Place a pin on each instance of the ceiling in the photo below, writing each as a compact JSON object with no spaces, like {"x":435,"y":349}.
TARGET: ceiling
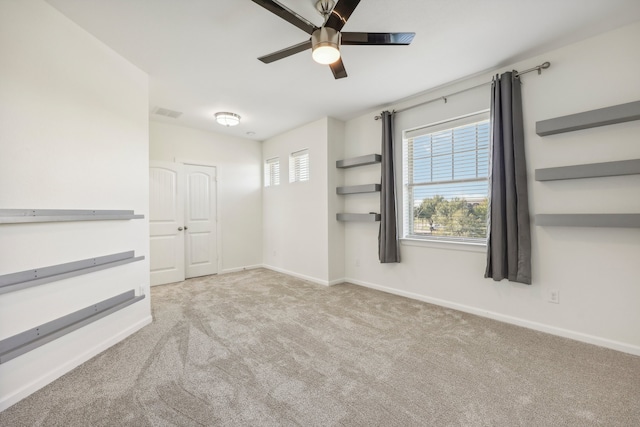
{"x":201,"y":54}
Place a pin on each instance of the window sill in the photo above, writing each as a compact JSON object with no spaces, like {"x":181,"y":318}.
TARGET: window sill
{"x":443,"y":244}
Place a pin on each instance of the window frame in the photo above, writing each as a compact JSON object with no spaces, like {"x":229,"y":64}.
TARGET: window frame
{"x":443,"y":242}
{"x":295,"y":158}
{"x":268,"y":172}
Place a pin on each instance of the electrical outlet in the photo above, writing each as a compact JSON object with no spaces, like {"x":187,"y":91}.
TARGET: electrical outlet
{"x":554,"y":296}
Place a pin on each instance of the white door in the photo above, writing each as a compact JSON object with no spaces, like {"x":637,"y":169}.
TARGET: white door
{"x":182,"y":220}
{"x":166,"y":222}
{"x":200,"y":221}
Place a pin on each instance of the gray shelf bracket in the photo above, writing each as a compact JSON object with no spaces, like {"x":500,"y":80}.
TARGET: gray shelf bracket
{"x":369,"y":159}
{"x":592,"y":170}
{"x":588,"y":220}
{"x":39,"y":276}
{"x":370,"y":217}
{"x":19,"y":216}
{"x":590,"y":119}
{"x":355,"y":189}
{"x":33,"y":338}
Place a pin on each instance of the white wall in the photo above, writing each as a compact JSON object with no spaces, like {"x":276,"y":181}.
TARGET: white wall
{"x":295,"y":214}
{"x":238,"y":163}
{"x":336,"y":202}
{"x":595,"y":270}
{"x":73,"y":135}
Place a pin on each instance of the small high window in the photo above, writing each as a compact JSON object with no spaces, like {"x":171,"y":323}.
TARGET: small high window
{"x":272,"y":172}
{"x":299,"y":166}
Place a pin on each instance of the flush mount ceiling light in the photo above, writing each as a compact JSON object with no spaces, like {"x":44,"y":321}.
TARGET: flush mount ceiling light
{"x":227,"y":119}
{"x":326,"y":45}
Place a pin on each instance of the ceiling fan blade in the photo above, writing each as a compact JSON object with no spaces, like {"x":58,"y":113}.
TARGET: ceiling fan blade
{"x":378,"y":39}
{"x":287,"y":14}
{"x":338,"y":69}
{"x":340,"y":14}
{"x":287,"y":51}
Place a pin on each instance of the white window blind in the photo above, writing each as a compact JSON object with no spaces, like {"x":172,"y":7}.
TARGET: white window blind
{"x":446,"y":171}
{"x":299,"y":166}
{"x":272,"y":172}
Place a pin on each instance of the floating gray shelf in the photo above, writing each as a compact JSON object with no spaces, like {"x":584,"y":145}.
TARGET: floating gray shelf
{"x":354,"y":189}
{"x":26,"y":341}
{"x":370,"y":217}
{"x":589,"y":119}
{"x":588,"y":220}
{"x":16,"y":216}
{"x":39,"y":276}
{"x":369,"y":159}
{"x":593,"y":170}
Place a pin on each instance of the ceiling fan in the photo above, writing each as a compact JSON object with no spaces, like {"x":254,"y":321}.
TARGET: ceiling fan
{"x":326,"y":40}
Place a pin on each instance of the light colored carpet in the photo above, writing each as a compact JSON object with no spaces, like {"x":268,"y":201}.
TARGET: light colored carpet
{"x":264,"y":349}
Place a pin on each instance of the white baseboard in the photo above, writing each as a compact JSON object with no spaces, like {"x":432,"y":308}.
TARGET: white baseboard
{"x":302,"y":276}
{"x":553,"y":330}
{"x":336,"y":282}
{"x":59,"y":371}
{"x":236,"y":269}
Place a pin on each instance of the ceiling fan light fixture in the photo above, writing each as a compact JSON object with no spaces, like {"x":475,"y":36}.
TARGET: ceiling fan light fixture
{"x":325,"y":44}
{"x":227,"y":119}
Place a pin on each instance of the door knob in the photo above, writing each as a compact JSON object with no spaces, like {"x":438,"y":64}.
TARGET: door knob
{"x":180,"y":229}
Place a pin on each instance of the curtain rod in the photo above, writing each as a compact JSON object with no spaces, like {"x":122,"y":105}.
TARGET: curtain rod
{"x":537,"y":68}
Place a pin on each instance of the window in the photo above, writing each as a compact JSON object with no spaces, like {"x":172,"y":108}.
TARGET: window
{"x":272,"y":172}
{"x":299,"y":166}
{"x":446,"y":172}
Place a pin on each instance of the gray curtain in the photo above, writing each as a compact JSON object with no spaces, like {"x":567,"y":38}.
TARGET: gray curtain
{"x":509,"y":235}
{"x":388,"y":250}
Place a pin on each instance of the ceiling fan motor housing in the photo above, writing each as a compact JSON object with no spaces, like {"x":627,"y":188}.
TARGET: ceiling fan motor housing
{"x":325,"y":37}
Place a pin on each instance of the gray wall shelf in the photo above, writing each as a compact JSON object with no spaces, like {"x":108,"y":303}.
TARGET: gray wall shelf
{"x":604,"y":116}
{"x":354,"y":189}
{"x":26,"y":341}
{"x":588,"y":220}
{"x":589,"y":119}
{"x":370,"y":217}
{"x":39,"y":276}
{"x":593,"y":170}
{"x":17,"y":216}
{"x":369,"y":159}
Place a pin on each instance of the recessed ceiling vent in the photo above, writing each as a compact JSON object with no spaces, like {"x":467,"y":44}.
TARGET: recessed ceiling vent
{"x":166,"y":112}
